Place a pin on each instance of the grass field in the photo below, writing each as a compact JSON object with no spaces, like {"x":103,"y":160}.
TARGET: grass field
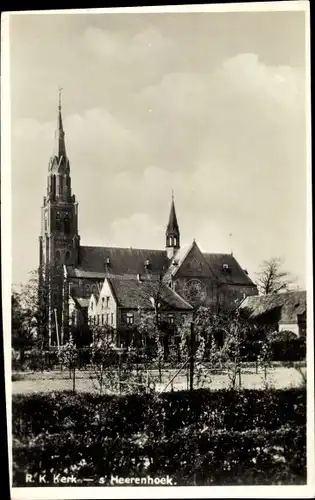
{"x":277,"y":377}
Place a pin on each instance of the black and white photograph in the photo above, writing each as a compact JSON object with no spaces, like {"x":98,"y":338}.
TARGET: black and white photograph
{"x":156,"y":249}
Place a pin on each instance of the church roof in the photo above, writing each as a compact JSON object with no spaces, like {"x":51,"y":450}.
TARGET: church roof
{"x":101,"y":262}
{"x":132,"y":293}
{"x":121,"y":260}
{"x":233,"y":274}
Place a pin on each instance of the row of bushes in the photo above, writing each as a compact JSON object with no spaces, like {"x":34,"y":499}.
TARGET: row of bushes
{"x":283,"y":347}
{"x":199,"y":437}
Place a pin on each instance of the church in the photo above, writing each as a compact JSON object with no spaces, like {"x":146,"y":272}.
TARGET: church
{"x":113,"y":286}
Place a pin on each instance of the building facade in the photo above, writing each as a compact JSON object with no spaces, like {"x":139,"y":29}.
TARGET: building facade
{"x":112,"y":285}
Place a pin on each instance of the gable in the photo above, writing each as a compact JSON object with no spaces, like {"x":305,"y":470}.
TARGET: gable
{"x":194,"y":264}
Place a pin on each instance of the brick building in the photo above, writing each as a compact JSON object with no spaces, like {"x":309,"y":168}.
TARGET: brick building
{"x":110,"y":285}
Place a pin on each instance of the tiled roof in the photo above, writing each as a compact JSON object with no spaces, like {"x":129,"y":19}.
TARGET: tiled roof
{"x":129,"y":262}
{"x":291,"y":304}
{"x":81,"y":301}
{"x":122,"y":260}
{"x":131,"y":293}
{"x":233,"y":275}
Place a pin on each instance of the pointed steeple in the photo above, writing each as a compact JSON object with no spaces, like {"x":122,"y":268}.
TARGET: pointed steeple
{"x":60,"y":145}
{"x":172,"y":226}
{"x":172,"y":231}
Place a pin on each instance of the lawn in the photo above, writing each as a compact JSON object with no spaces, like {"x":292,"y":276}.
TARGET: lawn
{"x":279,"y":377}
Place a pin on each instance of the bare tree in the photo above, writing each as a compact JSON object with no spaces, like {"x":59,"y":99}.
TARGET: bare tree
{"x":272,"y":278}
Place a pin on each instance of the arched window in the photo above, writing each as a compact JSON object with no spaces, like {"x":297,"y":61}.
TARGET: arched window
{"x":87,"y":289}
{"x":58,"y":221}
{"x":68,"y":256}
{"x":53,"y":185}
{"x":174,"y":241}
{"x":66,"y":221}
{"x":57,"y":256}
{"x":60,"y":184}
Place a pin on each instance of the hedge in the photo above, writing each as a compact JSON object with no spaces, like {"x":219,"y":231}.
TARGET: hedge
{"x":198,"y":437}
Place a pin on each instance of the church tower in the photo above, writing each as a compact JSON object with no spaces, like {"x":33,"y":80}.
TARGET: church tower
{"x":172,"y":233}
{"x":59,"y":240}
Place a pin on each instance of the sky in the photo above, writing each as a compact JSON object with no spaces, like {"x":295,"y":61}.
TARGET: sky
{"x":210,"y":105}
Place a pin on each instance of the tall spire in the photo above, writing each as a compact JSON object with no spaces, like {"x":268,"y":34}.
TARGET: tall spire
{"x":172,"y":231}
{"x":60,"y":145}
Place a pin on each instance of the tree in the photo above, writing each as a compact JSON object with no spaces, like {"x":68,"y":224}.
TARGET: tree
{"x":272,"y":278}
{"x":23,"y":326}
{"x":103,"y":354}
{"x":68,"y":356}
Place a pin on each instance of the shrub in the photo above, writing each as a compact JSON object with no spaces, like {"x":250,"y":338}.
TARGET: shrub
{"x":199,"y":437}
{"x":286,"y":346}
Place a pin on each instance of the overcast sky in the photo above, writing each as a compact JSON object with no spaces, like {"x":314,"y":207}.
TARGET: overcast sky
{"x":211,"y":105}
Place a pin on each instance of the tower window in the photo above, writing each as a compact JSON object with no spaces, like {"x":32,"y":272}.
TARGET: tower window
{"x":58,"y":221}
{"x":175,"y":241}
{"x":68,"y":256}
{"x":66,"y":221}
{"x":60,"y":185}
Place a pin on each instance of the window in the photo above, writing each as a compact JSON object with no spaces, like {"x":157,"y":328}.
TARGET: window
{"x":46,"y":222}
{"x":87,"y":289}
{"x":68,"y":256}
{"x":92,"y":306}
{"x":174,"y":241}
{"x":112,"y":318}
{"x":60,"y":184}
{"x":107,"y":319}
{"x":129,"y":318}
{"x":107,"y":301}
{"x":66,"y":221}
{"x":170,"y":319}
{"x":57,"y":256}
{"x":98,"y":319}
{"x":58,"y":221}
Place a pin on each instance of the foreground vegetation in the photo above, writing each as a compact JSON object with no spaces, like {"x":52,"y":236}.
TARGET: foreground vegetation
{"x":196,"y":437}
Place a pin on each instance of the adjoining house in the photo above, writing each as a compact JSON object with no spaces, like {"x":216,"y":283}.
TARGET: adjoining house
{"x":283,"y":311}
{"x":122,"y":302}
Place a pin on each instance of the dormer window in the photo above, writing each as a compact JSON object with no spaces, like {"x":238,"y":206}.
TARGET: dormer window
{"x":225,"y":267}
{"x":175,"y":262}
{"x":107,"y":261}
{"x":147,"y":263}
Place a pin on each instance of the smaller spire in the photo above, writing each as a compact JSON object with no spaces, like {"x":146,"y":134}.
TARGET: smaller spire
{"x":172,"y":231}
